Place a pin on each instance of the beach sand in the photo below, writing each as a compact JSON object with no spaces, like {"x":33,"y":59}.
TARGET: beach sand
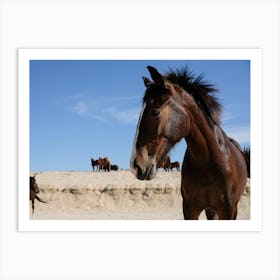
{"x":114,"y":195}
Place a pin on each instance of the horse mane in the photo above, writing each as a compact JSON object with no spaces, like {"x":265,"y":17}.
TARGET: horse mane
{"x":202,"y":92}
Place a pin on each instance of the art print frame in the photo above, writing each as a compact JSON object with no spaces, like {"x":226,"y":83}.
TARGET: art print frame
{"x":26,"y":55}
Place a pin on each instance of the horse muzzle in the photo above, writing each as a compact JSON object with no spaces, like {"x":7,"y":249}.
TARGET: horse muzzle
{"x":144,"y":173}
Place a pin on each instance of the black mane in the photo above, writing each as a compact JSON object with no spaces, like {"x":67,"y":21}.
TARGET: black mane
{"x":202,"y":92}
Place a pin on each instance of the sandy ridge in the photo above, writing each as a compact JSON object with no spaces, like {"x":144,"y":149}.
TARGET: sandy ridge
{"x":113,"y":195}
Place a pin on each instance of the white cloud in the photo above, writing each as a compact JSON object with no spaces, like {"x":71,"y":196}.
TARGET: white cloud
{"x":80,"y":108}
{"x":128,"y":116}
{"x":105,"y":109}
{"x":228,"y":116}
{"x":234,"y":122}
{"x":240,"y":134}
{"x":83,"y":109}
{"x":232,"y":112}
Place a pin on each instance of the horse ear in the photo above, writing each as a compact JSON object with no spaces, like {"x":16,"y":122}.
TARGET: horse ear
{"x":156,"y":76}
{"x":147,"y":82}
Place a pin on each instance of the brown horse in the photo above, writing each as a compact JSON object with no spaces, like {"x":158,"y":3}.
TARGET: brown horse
{"x":165,"y":164}
{"x":104,"y":164}
{"x":33,"y":191}
{"x":175,"y":165}
{"x":95,"y":163}
{"x":214,"y":172}
{"x":246,"y":152}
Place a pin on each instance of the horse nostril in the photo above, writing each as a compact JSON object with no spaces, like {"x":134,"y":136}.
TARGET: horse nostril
{"x":139,"y":171}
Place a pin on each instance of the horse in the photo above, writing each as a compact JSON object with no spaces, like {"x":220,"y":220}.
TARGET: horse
{"x":214,"y":171}
{"x":104,"y":164}
{"x":247,"y":152}
{"x":164,"y":163}
{"x":114,"y":167}
{"x":175,"y":165}
{"x":94,"y":163}
{"x":33,"y":190}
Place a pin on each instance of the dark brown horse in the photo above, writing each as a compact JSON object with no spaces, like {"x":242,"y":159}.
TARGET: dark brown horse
{"x":175,"y":165}
{"x":165,"y":163}
{"x":247,"y":152}
{"x":114,"y":167}
{"x":214,"y":171}
{"x":95,"y":163}
{"x":101,"y":164}
{"x":33,"y":191}
{"x":104,"y":164}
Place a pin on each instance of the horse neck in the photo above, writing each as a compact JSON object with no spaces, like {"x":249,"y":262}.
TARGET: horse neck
{"x":203,"y":136}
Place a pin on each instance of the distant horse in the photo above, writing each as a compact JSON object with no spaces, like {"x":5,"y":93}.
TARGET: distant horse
{"x":33,"y":190}
{"x":94,"y":163}
{"x":214,"y":171}
{"x":175,"y":165}
{"x":104,"y":164}
{"x":114,"y":167}
{"x":165,"y":163}
{"x":246,"y":152}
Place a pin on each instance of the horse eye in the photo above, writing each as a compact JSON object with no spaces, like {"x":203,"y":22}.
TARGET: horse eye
{"x":155,"y":112}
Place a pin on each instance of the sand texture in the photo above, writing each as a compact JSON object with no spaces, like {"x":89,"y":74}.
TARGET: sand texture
{"x":114,"y":195}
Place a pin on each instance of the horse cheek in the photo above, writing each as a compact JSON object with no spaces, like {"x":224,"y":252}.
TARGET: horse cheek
{"x":178,"y":127}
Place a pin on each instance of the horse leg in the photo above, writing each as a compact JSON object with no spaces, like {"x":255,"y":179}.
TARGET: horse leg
{"x":211,"y":214}
{"x":39,"y":199}
{"x":227,"y":212}
{"x":190,"y":213}
{"x":33,"y":206}
{"x":235,"y":210}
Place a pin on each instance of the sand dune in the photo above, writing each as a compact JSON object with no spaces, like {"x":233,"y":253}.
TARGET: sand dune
{"x":114,"y":195}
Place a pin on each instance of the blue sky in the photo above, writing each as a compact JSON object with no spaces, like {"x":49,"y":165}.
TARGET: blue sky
{"x":82,"y":109}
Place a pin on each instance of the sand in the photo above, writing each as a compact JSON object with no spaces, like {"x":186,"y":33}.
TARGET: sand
{"x":114,"y":195}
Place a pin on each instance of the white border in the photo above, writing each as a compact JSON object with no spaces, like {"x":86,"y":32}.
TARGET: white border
{"x":254,"y":55}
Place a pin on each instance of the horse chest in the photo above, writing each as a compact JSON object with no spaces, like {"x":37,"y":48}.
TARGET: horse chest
{"x":203,"y":190}
{"x":204,"y":179}
{"x":201,"y":179}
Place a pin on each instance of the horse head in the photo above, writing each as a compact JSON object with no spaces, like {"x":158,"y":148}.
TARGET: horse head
{"x":162,"y":123}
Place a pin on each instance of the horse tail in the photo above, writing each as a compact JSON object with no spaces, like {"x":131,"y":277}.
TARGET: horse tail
{"x":246,"y":154}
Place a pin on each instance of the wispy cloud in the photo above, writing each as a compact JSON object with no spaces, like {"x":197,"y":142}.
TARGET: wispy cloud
{"x":233,"y":112}
{"x":228,"y":116}
{"x":128,"y":116}
{"x":80,"y":108}
{"x":235,"y":120}
{"x":240,"y":134}
{"x":120,"y":108}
